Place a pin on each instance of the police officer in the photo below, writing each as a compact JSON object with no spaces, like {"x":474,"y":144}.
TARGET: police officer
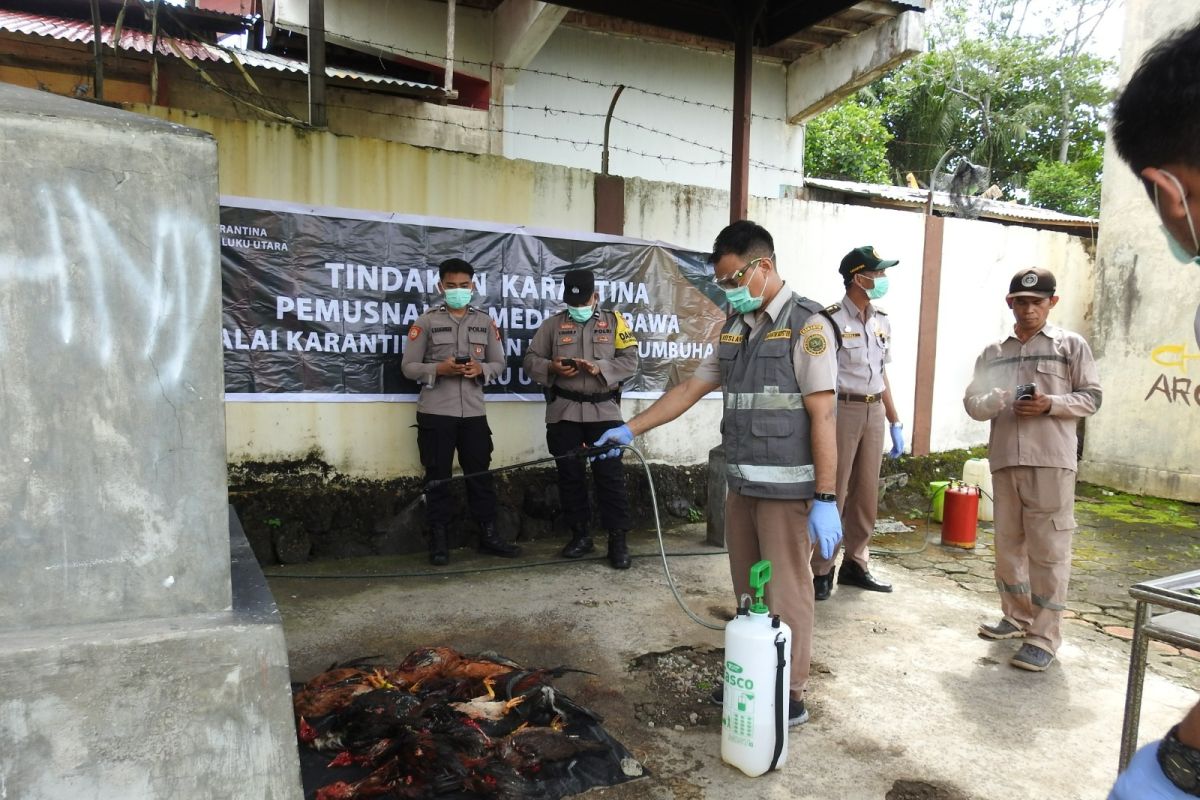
{"x":453,"y":350}
{"x":776,"y":366}
{"x":582,"y":355}
{"x":1032,"y":453}
{"x":864,"y":399}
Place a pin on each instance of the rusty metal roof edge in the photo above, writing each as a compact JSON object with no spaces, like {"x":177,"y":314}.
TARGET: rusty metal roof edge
{"x":1001,"y":209}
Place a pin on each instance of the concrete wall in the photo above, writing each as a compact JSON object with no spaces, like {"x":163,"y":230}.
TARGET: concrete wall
{"x":374,"y":439}
{"x":128,"y":669}
{"x":112,"y":487}
{"x":1145,"y":301}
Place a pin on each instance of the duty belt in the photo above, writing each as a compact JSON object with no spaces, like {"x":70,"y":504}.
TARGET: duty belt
{"x":860,"y":398}
{"x":582,"y":397}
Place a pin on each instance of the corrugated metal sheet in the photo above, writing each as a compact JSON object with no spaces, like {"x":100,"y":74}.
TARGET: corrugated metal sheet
{"x":73,"y":30}
{"x":942,"y":201}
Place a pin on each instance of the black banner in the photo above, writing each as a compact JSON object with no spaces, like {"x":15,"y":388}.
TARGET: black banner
{"x":317,"y":302}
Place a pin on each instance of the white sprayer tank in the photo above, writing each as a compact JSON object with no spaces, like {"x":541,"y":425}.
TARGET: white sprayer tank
{"x":977,"y":472}
{"x":753,"y":684}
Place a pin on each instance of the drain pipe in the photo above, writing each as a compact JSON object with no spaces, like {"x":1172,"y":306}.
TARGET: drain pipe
{"x":448,"y":82}
{"x":607,"y":123}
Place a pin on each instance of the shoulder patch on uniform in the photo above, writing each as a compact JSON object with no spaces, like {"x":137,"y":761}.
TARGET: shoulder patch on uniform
{"x":782,"y":333}
{"x":732,"y":338}
{"x":815,"y":344}
{"x":414,"y":331}
{"x":625,"y":337}
{"x":833,"y":309}
{"x":816,"y":327}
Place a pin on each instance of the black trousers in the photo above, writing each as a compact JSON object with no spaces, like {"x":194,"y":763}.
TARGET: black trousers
{"x":607,"y":476}
{"x":438,"y":437}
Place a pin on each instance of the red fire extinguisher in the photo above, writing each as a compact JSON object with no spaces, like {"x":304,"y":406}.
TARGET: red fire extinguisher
{"x":960,"y":513}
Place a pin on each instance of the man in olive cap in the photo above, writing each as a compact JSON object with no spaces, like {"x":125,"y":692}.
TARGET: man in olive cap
{"x":582,"y":355}
{"x":864,"y":400}
{"x":1033,"y":386}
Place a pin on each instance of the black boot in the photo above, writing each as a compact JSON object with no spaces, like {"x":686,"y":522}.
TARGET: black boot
{"x":490,"y":542}
{"x":580,"y":544}
{"x":439,"y":551}
{"x":618,"y":551}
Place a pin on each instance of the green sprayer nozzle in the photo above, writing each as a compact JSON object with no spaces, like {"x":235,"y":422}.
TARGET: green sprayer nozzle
{"x":760,"y":574}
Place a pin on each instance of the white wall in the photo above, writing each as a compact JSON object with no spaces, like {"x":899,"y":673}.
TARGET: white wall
{"x":1141,"y":440}
{"x":698,"y":76}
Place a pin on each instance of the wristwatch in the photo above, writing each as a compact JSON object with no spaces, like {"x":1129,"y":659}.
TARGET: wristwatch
{"x":1180,"y":763}
{"x":826,"y":496}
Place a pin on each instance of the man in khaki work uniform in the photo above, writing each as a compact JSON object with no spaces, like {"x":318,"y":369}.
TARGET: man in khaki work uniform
{"x":582,"y":355}
{"x":864,"y":399}
{"x":776,"y":367}
{"x":1034,"y":385}
{"x":452,"y":351}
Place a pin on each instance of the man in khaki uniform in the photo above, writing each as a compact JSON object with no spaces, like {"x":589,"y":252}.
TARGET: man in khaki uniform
{"x":1034,"y":386}
{"x":582,"y":355}
{"x":864,"y":399}
{"x":776,"y":367}
{"x":453,"y":350}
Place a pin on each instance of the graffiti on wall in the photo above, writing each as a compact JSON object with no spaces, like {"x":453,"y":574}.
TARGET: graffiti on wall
{"x":1173,"y":384}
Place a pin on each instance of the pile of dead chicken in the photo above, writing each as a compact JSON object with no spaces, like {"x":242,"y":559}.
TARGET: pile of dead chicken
{"x":442,"y":723}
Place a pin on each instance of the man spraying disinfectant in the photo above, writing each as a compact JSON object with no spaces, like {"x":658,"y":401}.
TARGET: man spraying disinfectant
{"x":757,"y":674}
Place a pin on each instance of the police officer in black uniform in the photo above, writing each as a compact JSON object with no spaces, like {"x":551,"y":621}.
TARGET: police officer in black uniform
{"x":453,"y":350}
{"x":581,"y":355}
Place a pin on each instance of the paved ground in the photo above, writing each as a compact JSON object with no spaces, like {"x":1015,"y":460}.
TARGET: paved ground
{"x":907,"y":702}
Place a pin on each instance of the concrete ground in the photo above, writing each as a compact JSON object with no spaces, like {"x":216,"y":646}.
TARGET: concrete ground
{"x":903,"y":690}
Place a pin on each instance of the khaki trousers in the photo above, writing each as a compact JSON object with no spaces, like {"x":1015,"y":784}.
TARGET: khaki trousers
{"x":860,"y":428}
{"x":777,"y":530}
{"x":1034,"y":519}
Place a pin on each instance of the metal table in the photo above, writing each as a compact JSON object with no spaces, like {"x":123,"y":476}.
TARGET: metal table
{"x":1179,"y":627}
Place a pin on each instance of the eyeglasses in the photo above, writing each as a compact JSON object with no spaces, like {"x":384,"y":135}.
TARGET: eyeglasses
{"x":735,"y":280}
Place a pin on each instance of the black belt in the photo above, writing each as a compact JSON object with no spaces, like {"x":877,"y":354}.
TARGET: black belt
{"x":860,"y":398}
{"x":582,"y":397}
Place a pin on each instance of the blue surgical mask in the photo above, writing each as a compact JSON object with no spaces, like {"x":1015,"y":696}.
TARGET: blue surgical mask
{"x":879,"y":289}
{"x":740,"y":299}
{"x":458,"y":298}
{"x":1178,"y":249}
{"x":581,"y":314}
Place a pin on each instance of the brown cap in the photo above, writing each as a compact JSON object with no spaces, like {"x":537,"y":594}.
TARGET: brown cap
{"x":1032,"y":282}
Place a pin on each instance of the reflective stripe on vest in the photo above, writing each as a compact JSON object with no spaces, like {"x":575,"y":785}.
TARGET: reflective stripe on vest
{"x":789,"y":401}
{"x":759,"y":474}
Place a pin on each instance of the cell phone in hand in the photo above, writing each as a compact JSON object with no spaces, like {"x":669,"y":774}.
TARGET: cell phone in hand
{"x":570,"y":362}
{"x":1026,"y":391}
{"x":462,"y":359}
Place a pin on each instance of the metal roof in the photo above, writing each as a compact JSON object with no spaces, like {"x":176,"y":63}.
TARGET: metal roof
{"x":133,"y":40}
{"x":992,"y":209}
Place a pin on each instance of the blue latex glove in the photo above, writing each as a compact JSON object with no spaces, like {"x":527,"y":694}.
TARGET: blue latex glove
{"x":897,"y":442}
{"x":825,"y":527}
{"x":1143,"y":779}
{"x":619,"y":435}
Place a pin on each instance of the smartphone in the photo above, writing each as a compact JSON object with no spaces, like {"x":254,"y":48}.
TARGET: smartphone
{"x":1026,"y":391}
{"x":462,"y":359}
{"x":570,"y":362}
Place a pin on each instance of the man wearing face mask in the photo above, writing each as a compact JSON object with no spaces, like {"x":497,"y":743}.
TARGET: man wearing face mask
{"x":864,"y":400}
{"x":582,"y":355}
{"x":1156,"y":128}
{"x":775,"y":364}
{"x":453,"y":349}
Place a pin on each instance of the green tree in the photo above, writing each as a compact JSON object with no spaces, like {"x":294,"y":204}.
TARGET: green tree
{"x":1068,"y":188}
{"x":848,"y":142}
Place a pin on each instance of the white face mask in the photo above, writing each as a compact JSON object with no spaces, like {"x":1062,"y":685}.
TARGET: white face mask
{"x":1178,"y":249}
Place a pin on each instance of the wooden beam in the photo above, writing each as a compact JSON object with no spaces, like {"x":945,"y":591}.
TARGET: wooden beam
{"x":927,"y":329}
{"x":743,"y":75}
{"x":316,"y":64}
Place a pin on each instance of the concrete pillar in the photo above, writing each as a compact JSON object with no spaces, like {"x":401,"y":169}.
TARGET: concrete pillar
{"x":128,"y":671}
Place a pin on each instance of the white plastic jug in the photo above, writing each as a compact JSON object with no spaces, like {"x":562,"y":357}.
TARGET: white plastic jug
{"x":754,"y":716}
{"x":977,"y":472}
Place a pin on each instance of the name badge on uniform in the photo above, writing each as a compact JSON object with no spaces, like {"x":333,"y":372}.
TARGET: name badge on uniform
{"x":851,"y":335}
{"x":602,"y":339}
{"x":566,"y":340}
{"x":782,"y":333}
{"x":731,"y":338}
